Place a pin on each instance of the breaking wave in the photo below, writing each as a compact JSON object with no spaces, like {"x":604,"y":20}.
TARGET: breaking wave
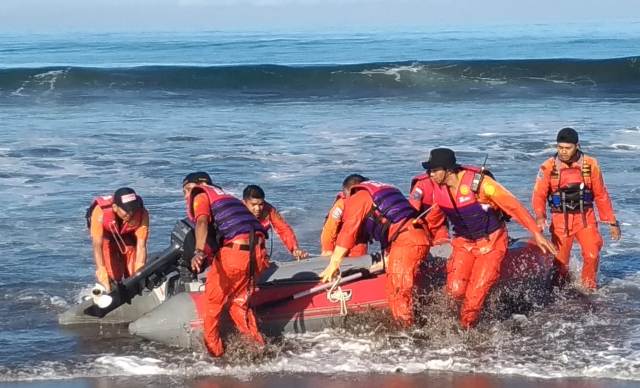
{"x":460,"y":78}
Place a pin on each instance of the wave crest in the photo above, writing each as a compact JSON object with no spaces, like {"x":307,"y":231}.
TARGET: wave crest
{"x":446,"y":78}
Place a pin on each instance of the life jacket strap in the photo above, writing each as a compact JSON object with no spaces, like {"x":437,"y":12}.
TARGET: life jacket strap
{"x":117,"y":237}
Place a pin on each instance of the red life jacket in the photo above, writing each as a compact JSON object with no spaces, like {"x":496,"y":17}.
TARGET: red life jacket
{"x":469,"y":218}
{"x":122,"y":233}
{"x":570,"y":187}
{"x":389,"y":207}
{"x":425,"y":185}
{"x":229,"y":215}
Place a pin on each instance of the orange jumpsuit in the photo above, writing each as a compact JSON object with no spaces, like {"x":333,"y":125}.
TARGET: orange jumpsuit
{"x":271,"y":217}
{"x":421,"y":198}
{"x":584,"y":229}
{"x":331,"y":228}
{"x":120,"y":262}
{"x":228,"y":281}
{"x":404,"y":255}
{"x":474,"y":265}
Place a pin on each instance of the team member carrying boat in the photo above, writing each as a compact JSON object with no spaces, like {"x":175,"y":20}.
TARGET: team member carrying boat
{"x":234,"y":262}
{"x":386,"y":215}
{"x":473,"y":204}
{"x":119,"y":227}
{"x":333,"y":222}
{"x":253,"y":198}
{"x":572,"y":183}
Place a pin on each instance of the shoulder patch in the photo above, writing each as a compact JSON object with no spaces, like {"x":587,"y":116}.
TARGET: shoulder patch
{"x":336,"y":214}
{"x":464,"y":190}
{"x":417,"y":194}
{"x":489,"y":189}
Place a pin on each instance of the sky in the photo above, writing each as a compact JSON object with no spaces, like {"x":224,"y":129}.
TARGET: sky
{"x":193,"y":15}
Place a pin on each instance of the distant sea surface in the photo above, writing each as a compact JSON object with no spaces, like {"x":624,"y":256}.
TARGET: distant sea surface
{"x":295,"y":112}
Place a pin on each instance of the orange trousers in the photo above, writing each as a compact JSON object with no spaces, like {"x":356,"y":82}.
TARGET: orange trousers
{"x":472,"y":270}
{"x":405,"y":255}
{"x":228,"y":282}
{"x":118,"y":265}
{"x":588,"y":237}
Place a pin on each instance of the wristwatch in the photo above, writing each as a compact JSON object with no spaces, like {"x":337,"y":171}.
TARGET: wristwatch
{"x":616,"y":224}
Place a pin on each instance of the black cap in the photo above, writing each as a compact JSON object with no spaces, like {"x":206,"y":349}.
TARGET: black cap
{"x":127,"y":199}
{"x":567,"y":135}
{"x":441,"y":158}
{"x":197,"y":177}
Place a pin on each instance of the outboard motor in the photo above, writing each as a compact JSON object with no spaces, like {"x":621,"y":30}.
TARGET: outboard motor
{"x":176,"y":257}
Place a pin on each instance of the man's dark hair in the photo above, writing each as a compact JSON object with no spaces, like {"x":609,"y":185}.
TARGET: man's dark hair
{"x":252,"y":191}
{"x":197,"y":177}
{"x":567,"y":135}
{"x":352,"y":180}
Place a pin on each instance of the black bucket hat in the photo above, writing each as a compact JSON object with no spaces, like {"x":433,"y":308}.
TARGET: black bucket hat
{"x":441,"y":158}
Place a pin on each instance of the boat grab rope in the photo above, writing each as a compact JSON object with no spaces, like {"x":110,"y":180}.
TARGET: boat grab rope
{"x":335,"y":294}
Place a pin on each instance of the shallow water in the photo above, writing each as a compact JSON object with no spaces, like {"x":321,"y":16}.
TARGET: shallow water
{"x":65,"y":140}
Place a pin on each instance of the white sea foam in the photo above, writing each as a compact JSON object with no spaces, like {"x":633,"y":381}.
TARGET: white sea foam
{"x":83,"y":293}
{"x":58,"y":302}
{"x":334,"y":352}
{"x":18,"y":92}
{"x":631,"y":281}
{"x":625,"y":147}
{"x":572,"y":82}
{"x":39,"y":298}
{"x":131,"y":365}
{"x":50,"y":77}
{"x":395,"y":72}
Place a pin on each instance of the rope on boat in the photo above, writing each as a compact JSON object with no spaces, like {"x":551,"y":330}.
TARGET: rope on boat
{"x":337,"y":295}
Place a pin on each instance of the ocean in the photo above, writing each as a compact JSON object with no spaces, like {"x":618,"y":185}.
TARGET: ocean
{"x":295,"y":112}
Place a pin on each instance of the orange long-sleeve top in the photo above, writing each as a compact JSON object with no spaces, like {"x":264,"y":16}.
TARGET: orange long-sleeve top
{"x":494,"y":194}
{"x":542,"y":188}
{"x":271,"y":217}
{"x":332,"y":226}
{"x":356,"y":208}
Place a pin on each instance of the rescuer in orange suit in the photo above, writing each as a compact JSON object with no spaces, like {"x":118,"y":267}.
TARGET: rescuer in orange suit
{"x":333,"y":222}
{"x":240,"y":245}
{"x":473,"y":204}
{"x":386,"y":215}
{"x":421,"y":198}
{"x":119,"y":227}
{"x":254,"y":199}
{"x":571,"y":183}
